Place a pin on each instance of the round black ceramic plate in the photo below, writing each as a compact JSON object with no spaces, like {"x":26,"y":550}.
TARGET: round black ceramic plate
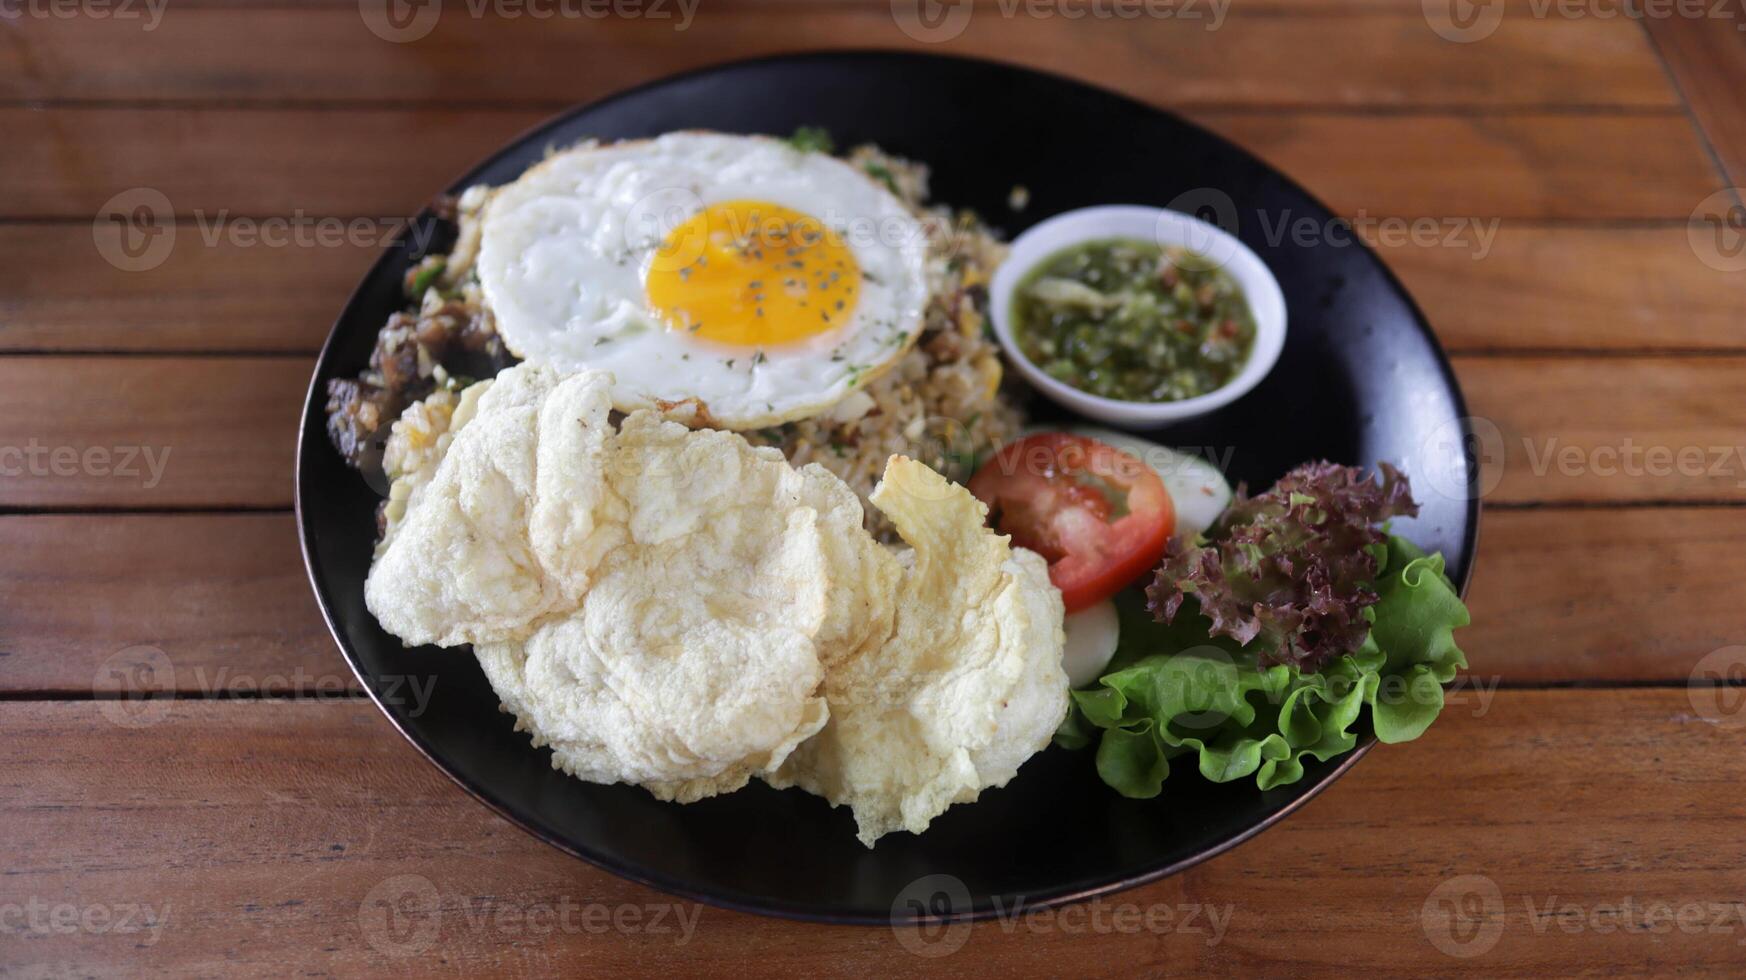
{"x":1361,"y":380}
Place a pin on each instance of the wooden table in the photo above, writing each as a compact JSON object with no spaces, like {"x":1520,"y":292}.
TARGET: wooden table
{"x":1577,"y":809}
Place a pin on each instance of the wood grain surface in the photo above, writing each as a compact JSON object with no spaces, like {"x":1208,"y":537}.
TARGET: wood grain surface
{"x":1290,"y":54}
{"x":213,"y":431}
{"x":149,"y":432}
{"x":213,"y":164}
{"x":255,"y":853}
{"x":1488,"y":284}
{"x":1574,"y":179}
{"x":1707,"y":61}
{"x":1559,"y":597}
{"x":222,"y":596}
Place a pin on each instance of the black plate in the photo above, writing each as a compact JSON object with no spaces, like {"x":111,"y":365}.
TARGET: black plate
{"x":1361,"y":380}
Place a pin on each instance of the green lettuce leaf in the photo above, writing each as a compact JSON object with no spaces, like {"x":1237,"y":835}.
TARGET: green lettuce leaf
{"x":1176,"y":688}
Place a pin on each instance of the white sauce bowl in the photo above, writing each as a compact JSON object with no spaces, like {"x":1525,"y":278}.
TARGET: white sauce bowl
{"x":1165,"y":228}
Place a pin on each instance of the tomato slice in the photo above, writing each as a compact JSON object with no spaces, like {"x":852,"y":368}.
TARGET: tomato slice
{"x":1098,"y":515}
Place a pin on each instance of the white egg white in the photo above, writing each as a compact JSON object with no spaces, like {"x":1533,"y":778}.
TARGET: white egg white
{"x":565,"y":250}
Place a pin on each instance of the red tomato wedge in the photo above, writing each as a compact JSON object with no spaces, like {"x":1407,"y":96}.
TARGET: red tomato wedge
{"x":1098,"y":515}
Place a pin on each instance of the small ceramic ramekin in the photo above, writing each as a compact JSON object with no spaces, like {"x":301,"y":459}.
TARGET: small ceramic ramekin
{"x":1166,"y":228}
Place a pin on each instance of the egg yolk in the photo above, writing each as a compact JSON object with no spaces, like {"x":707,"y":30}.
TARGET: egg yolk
{"x":753,"y":273}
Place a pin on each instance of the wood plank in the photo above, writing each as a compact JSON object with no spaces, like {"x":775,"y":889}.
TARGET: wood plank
{"x":1707,"y":56}
{"x":149,"y":432}
{"x":259,"y":855}
{"x":381,"y":163}
{"x":217,"y":163}
{"x":1559,"y":596}
{"x":1610,"y":431}
{"x":1572,"y":168}
{"x":1577,"y":288}
{"x":214,"y":603}
{"x":58,"y":293}
{"x":246,"y":611}
{"x":1527,"y":287}
{"x":253,"y":53}
{"x":1604,"y":595}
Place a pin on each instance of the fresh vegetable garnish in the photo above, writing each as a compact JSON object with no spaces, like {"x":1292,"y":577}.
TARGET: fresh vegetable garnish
{"x":1098,"y":515}
{"x":1197,"y":488}
{"x":812,"y":139}
{"x":1091,"y":635}
{"x":425,"y":276}
{"x":884,"y":175}
{"x":1288,"y":572}
{"x":1340,"y":615}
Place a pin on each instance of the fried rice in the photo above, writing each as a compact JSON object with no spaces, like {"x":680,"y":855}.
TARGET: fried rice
{"x":947,"y":402}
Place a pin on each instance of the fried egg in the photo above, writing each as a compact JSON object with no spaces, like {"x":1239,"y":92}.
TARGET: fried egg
{"x":735,"y":279}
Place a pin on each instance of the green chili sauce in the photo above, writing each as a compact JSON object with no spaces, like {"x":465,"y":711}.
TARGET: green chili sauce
{"x":1133,"y":321}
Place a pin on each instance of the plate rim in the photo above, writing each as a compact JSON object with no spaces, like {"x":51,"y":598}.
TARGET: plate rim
{"x":314,"y":399}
